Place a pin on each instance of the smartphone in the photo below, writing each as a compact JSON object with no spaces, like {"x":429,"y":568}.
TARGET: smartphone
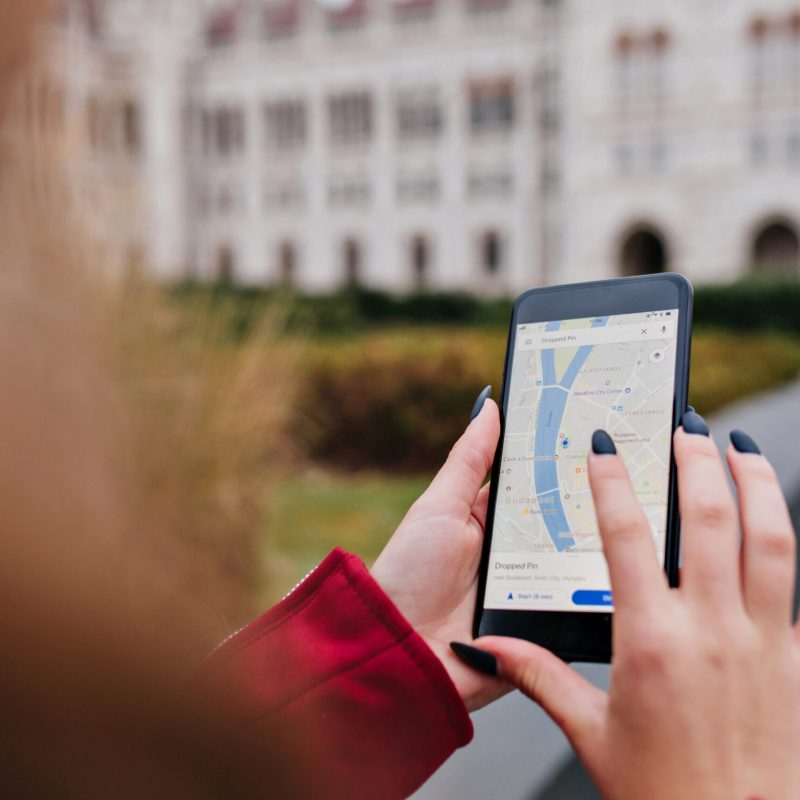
{"x":609,"y":354}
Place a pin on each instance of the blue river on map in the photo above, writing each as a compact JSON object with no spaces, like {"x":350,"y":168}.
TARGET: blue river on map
{"x":552,"y":405}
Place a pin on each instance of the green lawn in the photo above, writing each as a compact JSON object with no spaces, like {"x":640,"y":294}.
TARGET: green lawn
{"x":314,"y":512}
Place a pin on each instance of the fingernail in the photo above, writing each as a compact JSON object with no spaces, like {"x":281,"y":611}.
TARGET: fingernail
{"x":479,"y":660}
{"x":482,"y":398}
{"x":744,"y":443}
{"x":603,"y":444}
{"x":691,"y":408}
{"x":692,"y":422}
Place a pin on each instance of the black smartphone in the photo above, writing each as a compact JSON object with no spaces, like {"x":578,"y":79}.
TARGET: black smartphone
{"x":609,"y":354}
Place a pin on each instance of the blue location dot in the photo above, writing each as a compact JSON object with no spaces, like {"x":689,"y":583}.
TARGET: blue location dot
{"x":565,"y":443}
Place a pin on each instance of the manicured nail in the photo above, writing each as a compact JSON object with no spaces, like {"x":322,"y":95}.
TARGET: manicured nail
{"x":482,"y":398}
{"x":691,"y":408}
{"x":744,"y":443}
{"x":479,"y":660}
{"x":692,"y":422}
{"x":603,"y":444}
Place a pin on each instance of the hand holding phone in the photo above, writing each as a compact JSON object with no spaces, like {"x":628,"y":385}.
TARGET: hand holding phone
{"x":610,"y":355}
{"x":704,"y":697}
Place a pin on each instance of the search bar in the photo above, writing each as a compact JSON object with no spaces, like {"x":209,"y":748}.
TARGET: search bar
{"x":578,"y":337}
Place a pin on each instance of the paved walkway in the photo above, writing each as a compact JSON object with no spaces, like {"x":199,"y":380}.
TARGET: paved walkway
{"x":517,"y":753}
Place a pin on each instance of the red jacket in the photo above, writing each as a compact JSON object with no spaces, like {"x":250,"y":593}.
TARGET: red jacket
{"x":372,"y":706}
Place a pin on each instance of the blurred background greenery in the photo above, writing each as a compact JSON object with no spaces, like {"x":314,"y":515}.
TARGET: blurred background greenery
{"x":375,"y":390}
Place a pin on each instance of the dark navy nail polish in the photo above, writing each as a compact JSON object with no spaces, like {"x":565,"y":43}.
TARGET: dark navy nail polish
{"x":479,"y":660}
{"x":603,"y":444}
{"x":692,"y":409}
{"x":482,"y":398}
{"x":692,"y":422}
{"x":744,"y":443}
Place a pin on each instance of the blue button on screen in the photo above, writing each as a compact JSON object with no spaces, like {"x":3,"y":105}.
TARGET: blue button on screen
{"x":592,"y":597}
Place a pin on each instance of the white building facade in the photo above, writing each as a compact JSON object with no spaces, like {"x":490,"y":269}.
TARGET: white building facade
{"x":484,"y":145}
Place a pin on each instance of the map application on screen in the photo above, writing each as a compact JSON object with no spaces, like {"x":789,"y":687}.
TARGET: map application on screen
{"x":570,"y":378}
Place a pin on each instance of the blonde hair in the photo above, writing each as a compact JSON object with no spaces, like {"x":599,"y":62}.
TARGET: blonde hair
{"x":114,"y":511}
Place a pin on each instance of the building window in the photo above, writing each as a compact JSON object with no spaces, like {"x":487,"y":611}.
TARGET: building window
{"x":226,"y":264}
{"x":347,"y":17}
{"x":793,"y":145}
{"x":417,"y":188}
{"x":287,"y":264}
{"x":352,"y":258}
{"x":624,"y":158}
{"x":420,"y":260}
{"x":348,"y":192}
{"x":92,"y":17}
{"x":624,"y":65}
{"x":491,"y":105}
{"x":759,"y":148}
{"x":490,"y":183}
{"x":228,"y":134}
{"x":659,"y":155}
{"x":774,"y":55}
{"x":641,"y":63}
{"x":411,"y":11}
{"x":643,"y":251}
{"x":419,"y":114}
{"x":283,"y":194}
{"x":223,"y":26}
{"x":481,"y":7}
{"x":285,"y":124}
{"x":281,"y":19}
{"x":794,"y":53}
{"x":758,"y":55}
{"x":491,"y":253}
{"x":350,"y":118}
{"x":228,"y":199}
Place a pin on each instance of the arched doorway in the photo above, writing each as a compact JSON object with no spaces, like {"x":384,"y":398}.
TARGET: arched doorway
{"x":643,"y":252}
{"x":776,"y":250}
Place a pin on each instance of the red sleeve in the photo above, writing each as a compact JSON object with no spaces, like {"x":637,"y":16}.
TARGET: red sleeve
{"x":372,"y":705}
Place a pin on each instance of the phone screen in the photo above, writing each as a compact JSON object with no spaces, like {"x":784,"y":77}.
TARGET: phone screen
{"x":569,"y":378}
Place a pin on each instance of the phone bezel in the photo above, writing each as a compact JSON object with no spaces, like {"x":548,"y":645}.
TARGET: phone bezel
{"x":586,"y":635}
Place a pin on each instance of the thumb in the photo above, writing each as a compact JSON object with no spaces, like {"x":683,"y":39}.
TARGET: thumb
{"x":574,"y":704}
{"x":455,"y":488}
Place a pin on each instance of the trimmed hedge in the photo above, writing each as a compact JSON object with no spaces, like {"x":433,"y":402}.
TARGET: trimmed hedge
{"x":394,"y":400}
{"x":750,"y":305}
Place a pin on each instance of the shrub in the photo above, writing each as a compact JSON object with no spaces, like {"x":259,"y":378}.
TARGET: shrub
{"x":728,"y":366}
{"x":750,"y":305}
{"x":395,"y":402}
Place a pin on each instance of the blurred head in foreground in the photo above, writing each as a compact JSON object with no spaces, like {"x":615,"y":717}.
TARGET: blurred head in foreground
{"x":99,"y":636}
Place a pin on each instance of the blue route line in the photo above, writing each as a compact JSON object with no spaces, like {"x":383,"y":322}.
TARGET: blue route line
{"x":552,"y":406}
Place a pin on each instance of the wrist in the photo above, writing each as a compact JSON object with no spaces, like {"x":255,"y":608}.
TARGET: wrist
{"x":475,"y":690}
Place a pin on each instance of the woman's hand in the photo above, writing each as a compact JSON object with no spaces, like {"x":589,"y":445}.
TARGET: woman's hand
{"x":429,"y":568}
{"x":704,"y":699}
